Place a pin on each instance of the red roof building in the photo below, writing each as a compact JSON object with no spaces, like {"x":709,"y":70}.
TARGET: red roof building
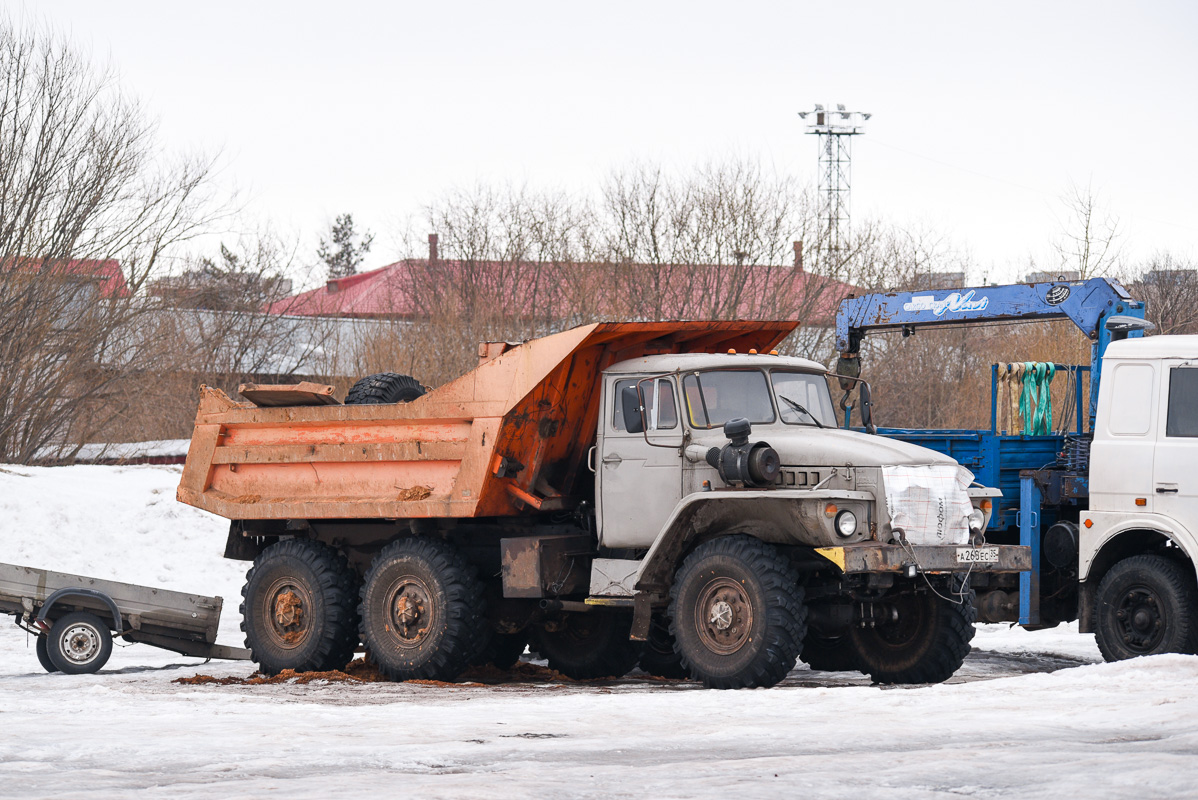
{"x":106,"y":273}
{"x":397,"y":291}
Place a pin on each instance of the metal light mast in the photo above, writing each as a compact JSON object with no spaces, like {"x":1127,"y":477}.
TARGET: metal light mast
{"x":835,"y":130}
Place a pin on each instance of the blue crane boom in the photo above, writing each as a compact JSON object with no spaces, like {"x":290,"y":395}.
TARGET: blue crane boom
{"x":1088,"y":304}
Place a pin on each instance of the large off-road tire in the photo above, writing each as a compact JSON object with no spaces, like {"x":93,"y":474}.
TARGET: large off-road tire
{"x":43,"y":654}
{"x":1145,"y":605}
{"x":384,"y":387}
{"x":737,"y":612}
{"x":926,"y":644}
{"x":299,"y":608}
{"x":829,"y":653}
{"x":658,"y":656}
{"x":79,"y":643}
{"x":502,"y":651}
{"x":423,"y":612}
{"x":589,"y":645}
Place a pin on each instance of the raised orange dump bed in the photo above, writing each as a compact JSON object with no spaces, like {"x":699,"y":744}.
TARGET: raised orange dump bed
{"x":509,"y":437}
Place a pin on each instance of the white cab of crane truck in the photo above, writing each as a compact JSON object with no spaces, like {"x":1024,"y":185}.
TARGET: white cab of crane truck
{"x":1139,"y":539}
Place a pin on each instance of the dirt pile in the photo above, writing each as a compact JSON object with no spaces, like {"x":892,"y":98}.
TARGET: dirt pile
{"x":362,"y":671}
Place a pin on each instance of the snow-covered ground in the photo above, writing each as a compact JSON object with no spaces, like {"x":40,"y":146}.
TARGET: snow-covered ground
{"x":1029,"y":715}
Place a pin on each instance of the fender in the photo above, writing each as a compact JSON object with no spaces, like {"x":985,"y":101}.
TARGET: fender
{"x":1115,"y":524}
{"x":771,"y":515}
{"x":73,"y":591}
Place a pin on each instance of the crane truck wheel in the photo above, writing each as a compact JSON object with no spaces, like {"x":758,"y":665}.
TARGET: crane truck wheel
{"x":423,"y":612}
{"x":384,"y":387}
{"x":1145,"y":606}
{"x":829,"y":653}
{"x":43,"y":654}
{"x":592,"y":644}
{"x":927,"y":639}
{"x":658,"y":656}
{"x":79,"y":643}
{"x":299,"y":610}
{"x":737,"y":613}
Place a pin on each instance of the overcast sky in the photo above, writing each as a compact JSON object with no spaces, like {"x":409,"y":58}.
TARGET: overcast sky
{"x":982,"y":113}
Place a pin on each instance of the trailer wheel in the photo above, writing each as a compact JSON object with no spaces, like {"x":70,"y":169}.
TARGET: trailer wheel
{"x":299,"y":610}
{"x":43,"y":655}
{"x":79,"y":643}
{"x":658,"y":654}
{"x":384,"y":387}
{"x":738,"y":613}
{"x":588,"y":645}
{"x":829,"y":653}
{"x":423,"y":612}
{"x":926,"y":643}
{"x":1144,"y":607}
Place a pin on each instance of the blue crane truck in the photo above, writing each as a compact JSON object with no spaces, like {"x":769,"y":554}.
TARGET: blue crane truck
{"x":1112,"y":533}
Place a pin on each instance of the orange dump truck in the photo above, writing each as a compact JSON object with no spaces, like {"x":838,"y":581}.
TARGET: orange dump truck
{"x":672,"y":495}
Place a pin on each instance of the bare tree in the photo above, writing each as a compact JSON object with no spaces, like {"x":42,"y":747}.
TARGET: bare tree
{"x":89,"y":209}
{"x":1089,"y":240}
{"x":1169,"y":286}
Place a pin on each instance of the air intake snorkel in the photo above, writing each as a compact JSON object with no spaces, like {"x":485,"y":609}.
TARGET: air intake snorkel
{"x":753,"y":466}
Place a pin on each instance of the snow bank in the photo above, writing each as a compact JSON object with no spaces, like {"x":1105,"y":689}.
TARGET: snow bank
{"x":1067,"y":728}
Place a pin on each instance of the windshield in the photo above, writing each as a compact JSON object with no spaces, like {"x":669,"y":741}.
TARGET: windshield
{"x":795,"y":389}
{"x":716,"y":396}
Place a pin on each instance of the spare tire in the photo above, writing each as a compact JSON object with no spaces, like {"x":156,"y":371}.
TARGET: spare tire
{"x":384,"y":387}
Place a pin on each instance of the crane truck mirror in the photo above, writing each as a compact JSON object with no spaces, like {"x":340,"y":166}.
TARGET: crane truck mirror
{"x":632,"y":409}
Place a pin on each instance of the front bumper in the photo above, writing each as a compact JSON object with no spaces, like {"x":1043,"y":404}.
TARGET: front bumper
{"x":873,"y":557}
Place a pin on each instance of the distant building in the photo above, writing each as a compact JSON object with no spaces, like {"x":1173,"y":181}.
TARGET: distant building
{"x":938,"y":280}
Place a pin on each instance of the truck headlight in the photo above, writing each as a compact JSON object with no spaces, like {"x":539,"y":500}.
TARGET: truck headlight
{"x":846,"y":523}
{"x":976,"y":519}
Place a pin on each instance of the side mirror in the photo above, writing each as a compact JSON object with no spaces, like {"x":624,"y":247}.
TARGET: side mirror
{"x":867,"y":408}
{"x":630,"y":407}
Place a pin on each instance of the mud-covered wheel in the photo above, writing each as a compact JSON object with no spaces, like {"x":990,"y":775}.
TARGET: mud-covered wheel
{"x":384,"y":387}
{"x":658,"y":654}
{"x":299,"y":608}
{"x":503,"y":650}
{"x":737,"y":613}
{"x":1145,"y":605}
{"x":43,"y":654}
{"x":829,"y":653}
{"x":423,"y":612}
{"x":588,"y":645}
{"x":79,"y":643}
{"x":927,"y":640}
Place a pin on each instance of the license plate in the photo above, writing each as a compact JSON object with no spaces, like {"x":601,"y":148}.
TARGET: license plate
{"x":977,"y":555}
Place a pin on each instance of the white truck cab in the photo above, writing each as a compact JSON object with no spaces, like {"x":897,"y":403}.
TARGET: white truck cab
{"x":1139,"y":537}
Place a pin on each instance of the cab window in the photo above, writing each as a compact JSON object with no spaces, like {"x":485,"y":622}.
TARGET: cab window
{"x":661,"y":411}
{"x":806,"y":390}
{"x":716,"y":396}
{"x":1183,"y":402}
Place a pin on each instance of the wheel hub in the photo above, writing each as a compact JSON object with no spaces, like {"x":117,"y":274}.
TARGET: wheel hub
{"x":410,"y":609}
{"x":1140,"y":620}
{"x":287,"y":612}
{"x":725,"y":616}
{"x":81,"y":643}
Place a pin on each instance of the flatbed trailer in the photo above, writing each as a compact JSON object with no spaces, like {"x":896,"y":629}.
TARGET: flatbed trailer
{"x":76,"y":616}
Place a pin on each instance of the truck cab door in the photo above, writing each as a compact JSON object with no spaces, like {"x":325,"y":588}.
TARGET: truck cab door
{"x":638,"y":482}
{"x":1175,"y":466}
{"x":1125,"y":440}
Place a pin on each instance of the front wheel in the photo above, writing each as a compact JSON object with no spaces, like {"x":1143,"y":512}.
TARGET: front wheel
{"x":737,"y":613}
{"x":1145,"y":606}
{"x":924,"y":637}
{"x":79,"y":643}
